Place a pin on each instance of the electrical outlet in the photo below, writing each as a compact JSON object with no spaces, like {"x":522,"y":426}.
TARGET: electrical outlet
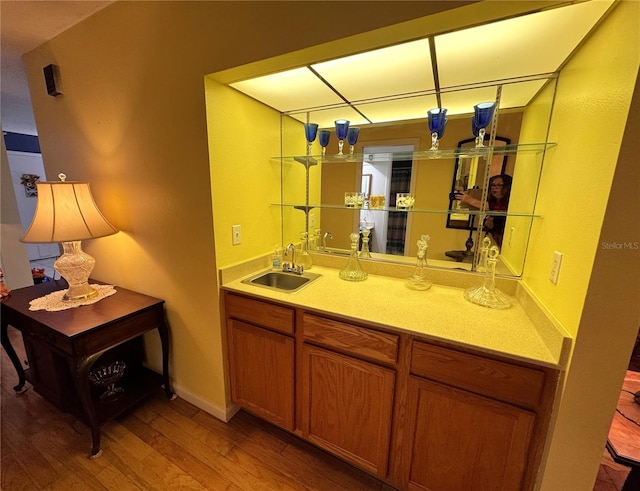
{"x":236,"y":234}
{"x":555,"y":267}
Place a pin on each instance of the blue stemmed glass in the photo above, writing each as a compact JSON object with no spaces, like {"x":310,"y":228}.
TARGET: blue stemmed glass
{"x":310,"y":132}
{"x":483,"y":113}
{"x":323,"y":137}
{"x":352,"y":138}
{"x":342,"y":128}
{"x":437,"y":123}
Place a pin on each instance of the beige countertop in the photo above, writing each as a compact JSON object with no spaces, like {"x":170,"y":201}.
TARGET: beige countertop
{"x":440,"y":313}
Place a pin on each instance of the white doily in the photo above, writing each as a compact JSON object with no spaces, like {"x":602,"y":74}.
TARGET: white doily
{"x":53,"y":302}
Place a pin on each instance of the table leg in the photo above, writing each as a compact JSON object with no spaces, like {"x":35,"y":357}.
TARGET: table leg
{"x":164,"y":340}
{"x":632,"y":482}
{"x":80,"y":371}
{"x":6,"y":344}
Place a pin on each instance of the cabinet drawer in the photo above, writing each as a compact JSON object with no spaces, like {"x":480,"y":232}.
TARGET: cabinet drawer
{"x":262,"y":313}
{"x":496,"y":379}
{"x":361,"y":341}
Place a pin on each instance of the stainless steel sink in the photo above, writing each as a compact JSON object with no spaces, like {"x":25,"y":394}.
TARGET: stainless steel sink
{"x":281,"y":281}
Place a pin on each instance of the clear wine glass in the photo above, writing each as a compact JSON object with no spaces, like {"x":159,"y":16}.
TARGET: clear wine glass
{"x":483,"y":114}
{"x":352,"y":138}
{"x":342,"y":129}
{"x":324,"y":136}
{"x":310,"y":132}
{"x":437,"y":123}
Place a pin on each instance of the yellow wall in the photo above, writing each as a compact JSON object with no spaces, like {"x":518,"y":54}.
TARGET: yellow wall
{"x":591,"y":107}
{"x":595,"y":299}
{"x":243,"y":184}
{"x":528,"y":167}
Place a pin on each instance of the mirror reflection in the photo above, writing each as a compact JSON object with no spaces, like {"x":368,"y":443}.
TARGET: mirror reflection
{"x":385,"y":167}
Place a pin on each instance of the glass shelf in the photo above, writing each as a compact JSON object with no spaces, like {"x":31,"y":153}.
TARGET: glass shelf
{"x":442,"y":211}
{"x":440,"y":154}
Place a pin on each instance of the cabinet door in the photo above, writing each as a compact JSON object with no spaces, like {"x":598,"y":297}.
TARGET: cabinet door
{"x":461,"y":441}
{"x":262,"y":370}
{"x":346,"y":407}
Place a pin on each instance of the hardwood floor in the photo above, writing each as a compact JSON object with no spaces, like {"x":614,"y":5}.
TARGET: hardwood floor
{"x":611,"y":476}
{"x":170,"y":445}
{"x":158,"y":445}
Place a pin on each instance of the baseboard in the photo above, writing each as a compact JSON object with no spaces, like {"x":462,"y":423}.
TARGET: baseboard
{"x":221,"y":413}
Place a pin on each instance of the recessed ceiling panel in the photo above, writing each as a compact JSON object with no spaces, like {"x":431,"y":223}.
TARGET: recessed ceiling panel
{"x":399,"y":69}
{"x":534,"y":44}
{"x":398,"y":109}
{"x":326,"y":117}
{"x":531,"y":44}
{"x":290,"y":90}
{"x":462,"y":102}
{"x":520,"y":94}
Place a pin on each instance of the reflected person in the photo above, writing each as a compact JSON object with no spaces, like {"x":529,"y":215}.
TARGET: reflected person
{"x":498,"y":200}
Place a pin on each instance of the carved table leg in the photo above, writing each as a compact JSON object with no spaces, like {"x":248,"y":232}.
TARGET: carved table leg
{"x":6,"y":344}
{"x":164,"y":340}
{"x":80,"y":371}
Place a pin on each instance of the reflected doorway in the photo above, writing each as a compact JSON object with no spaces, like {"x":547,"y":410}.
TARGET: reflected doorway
{"x":387,"y":178}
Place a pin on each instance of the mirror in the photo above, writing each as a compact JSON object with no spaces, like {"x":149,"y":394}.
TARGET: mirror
{"x":404,"y":145}
{"x":384,"y":159}
{"x":468,"y":181}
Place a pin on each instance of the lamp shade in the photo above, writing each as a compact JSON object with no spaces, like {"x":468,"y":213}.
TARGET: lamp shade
{"x":65,"y":212}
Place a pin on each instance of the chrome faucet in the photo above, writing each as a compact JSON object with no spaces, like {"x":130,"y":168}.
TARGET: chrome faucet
{"x":324,"y":240}
{"x":291,"y":268}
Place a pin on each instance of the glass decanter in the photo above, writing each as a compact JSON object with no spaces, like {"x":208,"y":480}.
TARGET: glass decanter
{"x":418,"y":279}
{"x":487,"y":294}
{"x":305,"y":254}
{"x":484,"y":254}
{"x":353,"y":270}
{"x":365,"y":253}
{"x":315,"y":241}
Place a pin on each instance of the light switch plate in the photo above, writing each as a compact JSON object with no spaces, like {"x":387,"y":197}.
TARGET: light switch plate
{"x":236,"y":234}
{"x":554,"y":272}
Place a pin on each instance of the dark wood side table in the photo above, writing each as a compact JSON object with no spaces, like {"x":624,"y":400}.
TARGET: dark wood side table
{"x":623,"y":442}
{"x":62,"y":347}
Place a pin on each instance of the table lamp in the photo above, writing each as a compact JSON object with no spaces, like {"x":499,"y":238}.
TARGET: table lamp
{"x":66,"y":213}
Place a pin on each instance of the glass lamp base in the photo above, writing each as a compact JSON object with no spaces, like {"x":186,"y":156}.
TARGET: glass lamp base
{"x":75,"y":266}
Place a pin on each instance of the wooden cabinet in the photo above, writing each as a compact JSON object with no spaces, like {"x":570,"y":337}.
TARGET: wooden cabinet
{"x":261,"y":359}
{"x":346,"y":394}
{"x":346,"y":407}
{"x":471,"y":422}
{"x":461,"y":441}
{"x":417,"y":414}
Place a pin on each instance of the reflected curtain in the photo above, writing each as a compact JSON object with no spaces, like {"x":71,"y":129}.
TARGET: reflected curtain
{"x":397,"y":225}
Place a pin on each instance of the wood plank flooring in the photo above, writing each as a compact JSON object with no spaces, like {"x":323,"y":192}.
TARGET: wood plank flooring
{"x":157,"y":445}
{"x":162,"y":445}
